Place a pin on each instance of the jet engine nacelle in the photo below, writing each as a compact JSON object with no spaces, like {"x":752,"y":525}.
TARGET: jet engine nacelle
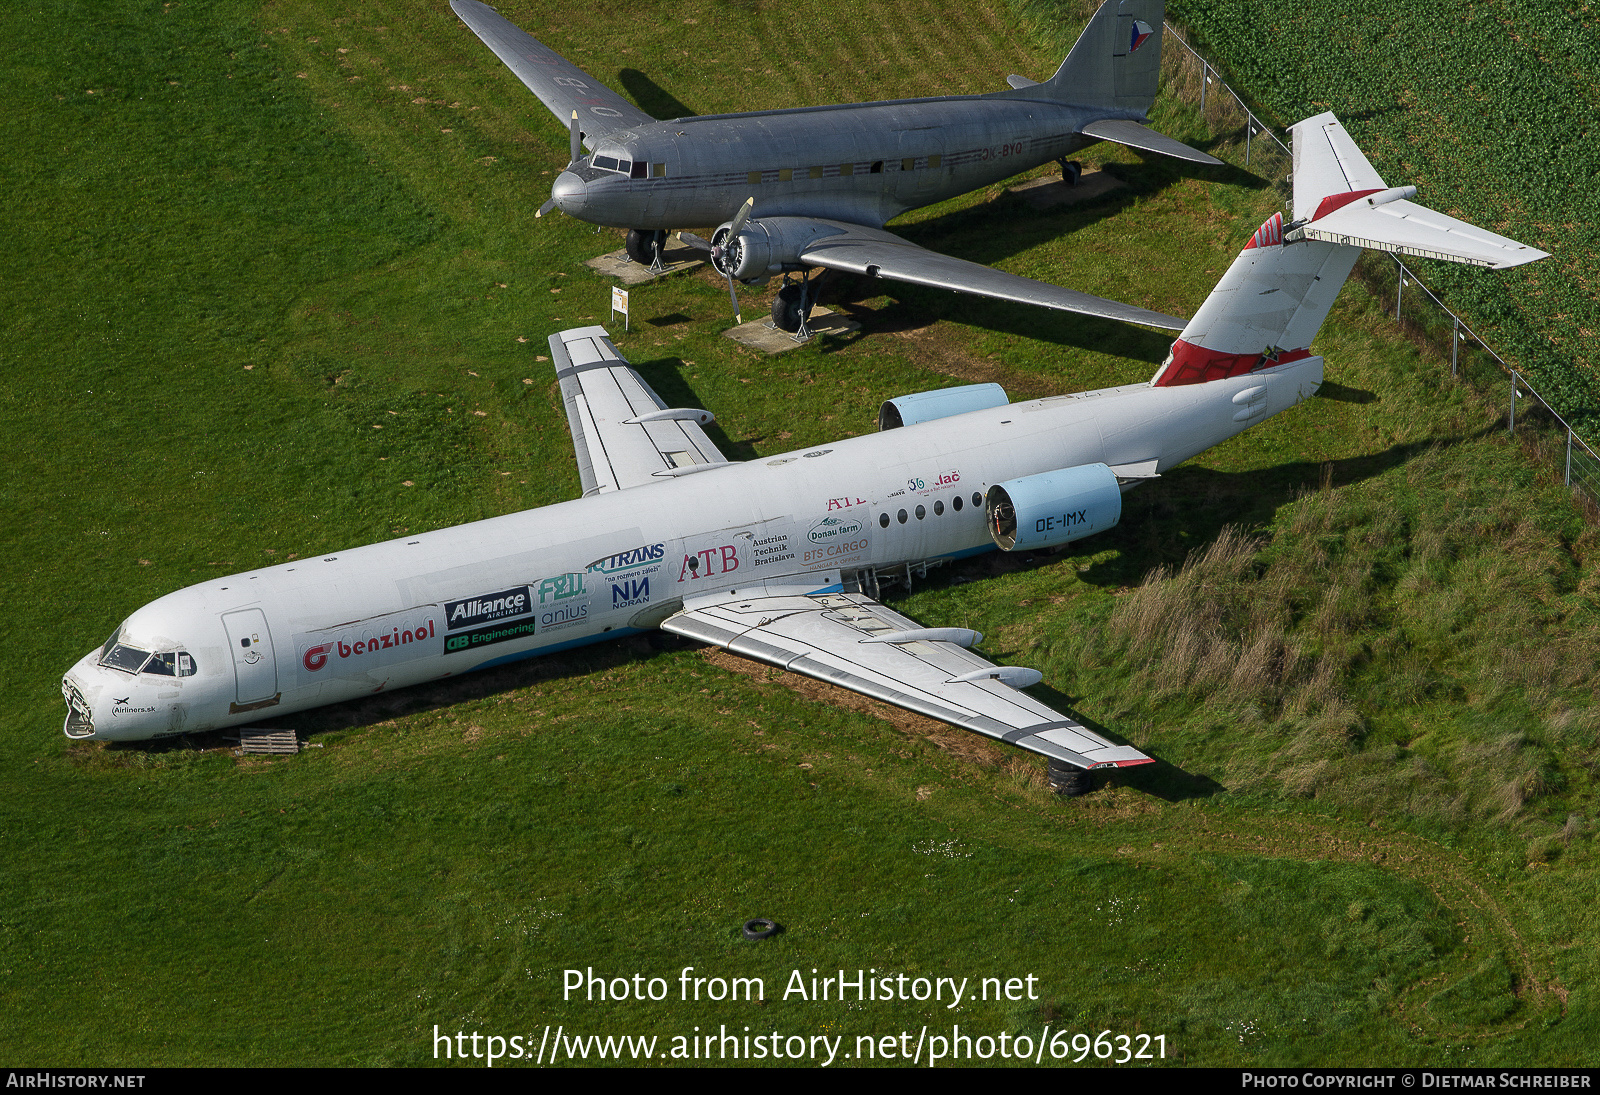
{"x":768,"y":246}
{"x":908,"y":410}
{"x":1053,"y":507}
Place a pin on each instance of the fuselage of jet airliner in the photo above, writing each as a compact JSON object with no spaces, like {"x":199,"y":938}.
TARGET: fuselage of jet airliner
{"x":316,"y":631}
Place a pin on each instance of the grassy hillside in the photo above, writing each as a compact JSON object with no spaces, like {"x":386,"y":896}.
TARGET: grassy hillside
{"x":277,"y":288}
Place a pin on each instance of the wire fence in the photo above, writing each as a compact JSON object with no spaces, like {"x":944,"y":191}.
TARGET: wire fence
{"x":1419,"y":311}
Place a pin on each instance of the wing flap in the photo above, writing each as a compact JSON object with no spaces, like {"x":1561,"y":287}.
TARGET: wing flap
{"x":876,"y":253}
{"x":604,"y":397}
{"x":829,"y":637}
{"x":560,"y":85}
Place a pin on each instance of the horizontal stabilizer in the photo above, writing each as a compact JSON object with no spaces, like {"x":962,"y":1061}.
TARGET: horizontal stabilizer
{"x":1405,"y":228}
{"x":1021,"y":81}
{"x":1127,"y":132}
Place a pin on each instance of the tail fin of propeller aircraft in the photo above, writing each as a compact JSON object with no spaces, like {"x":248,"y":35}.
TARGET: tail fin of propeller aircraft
{"x":1270,"y":304}
{"x":1116,"y":63}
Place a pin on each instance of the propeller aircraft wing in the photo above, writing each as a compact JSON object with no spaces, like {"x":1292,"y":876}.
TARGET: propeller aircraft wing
{"x":874,"y":252}
{"x":559,"y":84}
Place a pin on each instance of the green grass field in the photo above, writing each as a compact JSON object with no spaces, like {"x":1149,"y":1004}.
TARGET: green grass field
{"x":276,"y":288}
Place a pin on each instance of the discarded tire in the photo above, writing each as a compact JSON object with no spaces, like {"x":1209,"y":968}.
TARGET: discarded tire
{"x":760,"y":929}
{"x":1068,"y":781}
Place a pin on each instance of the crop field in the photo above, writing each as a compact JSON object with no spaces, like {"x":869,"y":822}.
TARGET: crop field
{"x":1491,"y":109}
{"x":275,"y":288}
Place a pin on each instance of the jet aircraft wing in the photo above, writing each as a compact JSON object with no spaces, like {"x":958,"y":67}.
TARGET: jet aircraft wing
{"x":877,"y":253}
{"x":850,"y":640}
{"x":624,"y":433}
{"x":560,"y":85}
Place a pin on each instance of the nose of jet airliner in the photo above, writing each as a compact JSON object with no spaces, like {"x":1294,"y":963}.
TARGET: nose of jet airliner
{"x":570,"y":193}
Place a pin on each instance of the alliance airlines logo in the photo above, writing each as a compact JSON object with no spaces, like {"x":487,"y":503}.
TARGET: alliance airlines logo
{"x":488,"y":608}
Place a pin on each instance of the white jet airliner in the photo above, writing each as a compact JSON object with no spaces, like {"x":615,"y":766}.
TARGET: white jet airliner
{"x":776,"y":559}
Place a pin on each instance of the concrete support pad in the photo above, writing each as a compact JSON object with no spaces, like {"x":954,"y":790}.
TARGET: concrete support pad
{"x":760,"y":334}
{"x":1051,"y":191}
{"x":618,"y":265}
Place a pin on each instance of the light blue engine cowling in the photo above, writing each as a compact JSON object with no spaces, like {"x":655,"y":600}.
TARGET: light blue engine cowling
{"x":908,"y":410}
{"x":1053,"y":507}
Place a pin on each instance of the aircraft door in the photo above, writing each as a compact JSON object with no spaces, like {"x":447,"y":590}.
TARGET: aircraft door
{"x":255,"y":667}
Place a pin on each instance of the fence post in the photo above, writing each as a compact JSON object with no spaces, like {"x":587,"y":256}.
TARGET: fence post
{"x":1205,"y":78}
{"x":1455,"y":341}
{"x":1249,"y":130}
{"x":1399,"y":284}
{"x":1569,"y":456}
{"x":1513,"y":427}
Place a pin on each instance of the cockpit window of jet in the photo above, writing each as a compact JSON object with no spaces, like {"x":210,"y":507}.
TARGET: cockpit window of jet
{"x":778,"y":558}
{"x":794,"y":189}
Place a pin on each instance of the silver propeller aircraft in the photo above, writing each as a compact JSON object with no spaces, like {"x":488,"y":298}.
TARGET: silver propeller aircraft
{"x":815,"y":186}
{"x":777,"y":559}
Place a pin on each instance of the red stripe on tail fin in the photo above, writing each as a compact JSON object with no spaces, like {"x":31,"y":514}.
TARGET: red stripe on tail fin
{"x":1192,"y":364}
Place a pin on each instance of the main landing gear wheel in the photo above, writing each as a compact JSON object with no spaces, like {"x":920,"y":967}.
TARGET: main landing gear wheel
{"x":644,"y":247}
{"x":1071,"y":171}
{"x":786,"y":308}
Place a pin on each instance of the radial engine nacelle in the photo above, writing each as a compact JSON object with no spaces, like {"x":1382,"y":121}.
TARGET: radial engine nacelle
{"x":772,"y":245}
{"x":1053,"y":507}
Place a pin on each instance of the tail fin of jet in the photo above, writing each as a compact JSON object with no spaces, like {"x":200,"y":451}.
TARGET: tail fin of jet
{"x":1116,"y":63}
{"x":1270,"y":304}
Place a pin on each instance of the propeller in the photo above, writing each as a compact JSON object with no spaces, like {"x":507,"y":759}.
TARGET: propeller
{"x":574,"y":152}
{"x":725,"y":251}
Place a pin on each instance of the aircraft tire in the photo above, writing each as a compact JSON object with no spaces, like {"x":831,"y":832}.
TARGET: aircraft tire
{"x":760,"y":928}
{"x":1071,"y":172}
{"x":642,"y":246}
{"x":1070,"y":782}
{"x":786,"y":309}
